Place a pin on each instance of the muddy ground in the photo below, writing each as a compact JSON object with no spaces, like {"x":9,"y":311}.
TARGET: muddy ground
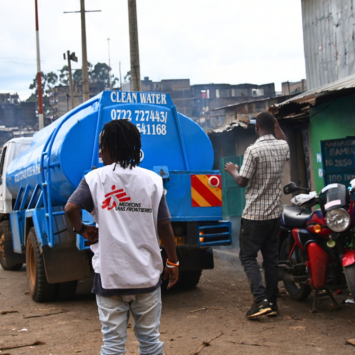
{"x":224,"y":295}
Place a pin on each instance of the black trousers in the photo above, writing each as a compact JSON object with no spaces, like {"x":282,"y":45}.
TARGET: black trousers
{"x":263,"y":236}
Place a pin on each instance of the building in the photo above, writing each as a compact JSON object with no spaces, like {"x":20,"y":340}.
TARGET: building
{"x":207,"y":97}
{"x":9,"y":99}
{"x":329,"y":40}
{"x":241,"y":111}
{"x":17,"y":119}
{"x":59,"y":97}
{"x":179,"y":90}
{"x":326,"y":111}
{"x":296,"y":87}
{"x":197,"y":101}
{"x":327,"y":116}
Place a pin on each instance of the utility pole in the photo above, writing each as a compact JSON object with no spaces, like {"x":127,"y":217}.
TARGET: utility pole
{"x":82,"y":11}
{"x":39,"y":75}
{"x":75,"y":94}
{"x":71,"y":57}
{"x":134,"y":46}
{"x":109,"y":64}
{"x":86,"y":95}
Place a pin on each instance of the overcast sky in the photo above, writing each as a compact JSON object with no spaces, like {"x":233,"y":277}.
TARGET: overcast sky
{"x":206,"y":41}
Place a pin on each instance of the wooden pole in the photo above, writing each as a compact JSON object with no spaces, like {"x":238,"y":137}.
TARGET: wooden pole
{"x":39,"y":75}
{"x":134,"y":46}
{"x":86,"y":94}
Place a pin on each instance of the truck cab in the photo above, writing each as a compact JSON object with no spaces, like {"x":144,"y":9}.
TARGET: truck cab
{"x":11,"y":149}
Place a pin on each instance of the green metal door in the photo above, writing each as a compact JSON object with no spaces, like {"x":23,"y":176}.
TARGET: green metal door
{"x":232,"y":195}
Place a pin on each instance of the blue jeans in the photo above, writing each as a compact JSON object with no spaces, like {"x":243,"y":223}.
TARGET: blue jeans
{"x":114,"y":316}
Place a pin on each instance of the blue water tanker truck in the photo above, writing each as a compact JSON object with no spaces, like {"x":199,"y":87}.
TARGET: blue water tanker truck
{"x":38,"y":175}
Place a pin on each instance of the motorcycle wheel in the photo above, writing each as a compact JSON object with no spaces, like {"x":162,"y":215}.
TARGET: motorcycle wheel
{"x":350,"y":278}
{"x":297,"y":291}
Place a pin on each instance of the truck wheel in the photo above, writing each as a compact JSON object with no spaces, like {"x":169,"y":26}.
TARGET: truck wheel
{"x":5,"y":244}
{"x":189,"y":279}
{"x":40,"y":289}
{"x":350,"y":278}
{"x":297,"y":291}
{"x":66,"y":290}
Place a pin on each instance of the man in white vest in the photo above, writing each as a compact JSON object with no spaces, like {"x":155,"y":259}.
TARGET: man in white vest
{"x":129,"y":207}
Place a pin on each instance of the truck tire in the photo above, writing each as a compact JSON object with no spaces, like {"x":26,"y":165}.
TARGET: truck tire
{"x":40,"y":289}
{"x":189,"y":279}
{"x":350,"y":278}
{"x":66,"y":290}
{"x":5,"y":244}
{"x":296,"y":291}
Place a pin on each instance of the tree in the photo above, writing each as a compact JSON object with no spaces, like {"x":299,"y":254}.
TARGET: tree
{"x":128,"y":76}
{"x":98,"y":72}
{"x":64,"y":75}
{"x":48,"y":82}
{"x":52,"y":79}
{"x":78,"y":73}
{"x":101,"y":72}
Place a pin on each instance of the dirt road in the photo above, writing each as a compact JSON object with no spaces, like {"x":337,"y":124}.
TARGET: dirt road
{"x":217,"y":305}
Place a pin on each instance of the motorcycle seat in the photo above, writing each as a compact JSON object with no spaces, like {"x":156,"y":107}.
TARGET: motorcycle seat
{"x":292,"y":216}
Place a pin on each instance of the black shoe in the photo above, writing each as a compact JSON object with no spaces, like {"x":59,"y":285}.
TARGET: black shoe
{"x":259,"y":309}
{"x":274,"y":310}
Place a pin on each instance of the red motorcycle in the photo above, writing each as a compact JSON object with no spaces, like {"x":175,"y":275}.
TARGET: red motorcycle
{"x":317,"y":249}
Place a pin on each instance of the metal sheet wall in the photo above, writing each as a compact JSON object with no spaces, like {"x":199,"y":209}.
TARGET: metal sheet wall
{"x":329,"y":40}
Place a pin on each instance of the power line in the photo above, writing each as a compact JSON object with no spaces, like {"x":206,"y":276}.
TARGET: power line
{"x":27,"y":65}
{"x":18,"y":58}
{"x":43,"y":61}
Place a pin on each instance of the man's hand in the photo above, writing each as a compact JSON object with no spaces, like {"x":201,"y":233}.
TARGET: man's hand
{"x":279,"y":133}
{"x":73,"y":213}
{"x":231,"y":168}
{"x":91,"y":233}
{"x":166,"y":235}
{"x":173,"y":275}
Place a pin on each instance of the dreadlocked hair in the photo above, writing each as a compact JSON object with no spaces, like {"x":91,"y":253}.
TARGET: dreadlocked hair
{"x":122,"y":140}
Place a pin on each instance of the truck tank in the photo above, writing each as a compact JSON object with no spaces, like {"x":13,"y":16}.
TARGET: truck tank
{"x":69,"y":147}
{"x":42,"y":178}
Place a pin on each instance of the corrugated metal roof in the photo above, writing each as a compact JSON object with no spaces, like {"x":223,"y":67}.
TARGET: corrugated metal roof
{"x":250,"y":102}
{"x":228,"y":127}
{"x":311,"y":95}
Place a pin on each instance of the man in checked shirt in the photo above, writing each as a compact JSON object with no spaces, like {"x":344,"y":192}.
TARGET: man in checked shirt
{"x":262,"y":171}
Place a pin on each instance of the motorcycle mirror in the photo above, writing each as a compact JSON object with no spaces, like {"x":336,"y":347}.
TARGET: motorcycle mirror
{"x":290,"y":188}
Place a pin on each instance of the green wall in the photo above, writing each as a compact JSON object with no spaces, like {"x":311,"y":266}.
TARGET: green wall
{"x":330,"y":120}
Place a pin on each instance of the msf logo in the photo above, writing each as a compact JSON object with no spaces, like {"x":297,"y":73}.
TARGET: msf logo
{"x":112,"y":199}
